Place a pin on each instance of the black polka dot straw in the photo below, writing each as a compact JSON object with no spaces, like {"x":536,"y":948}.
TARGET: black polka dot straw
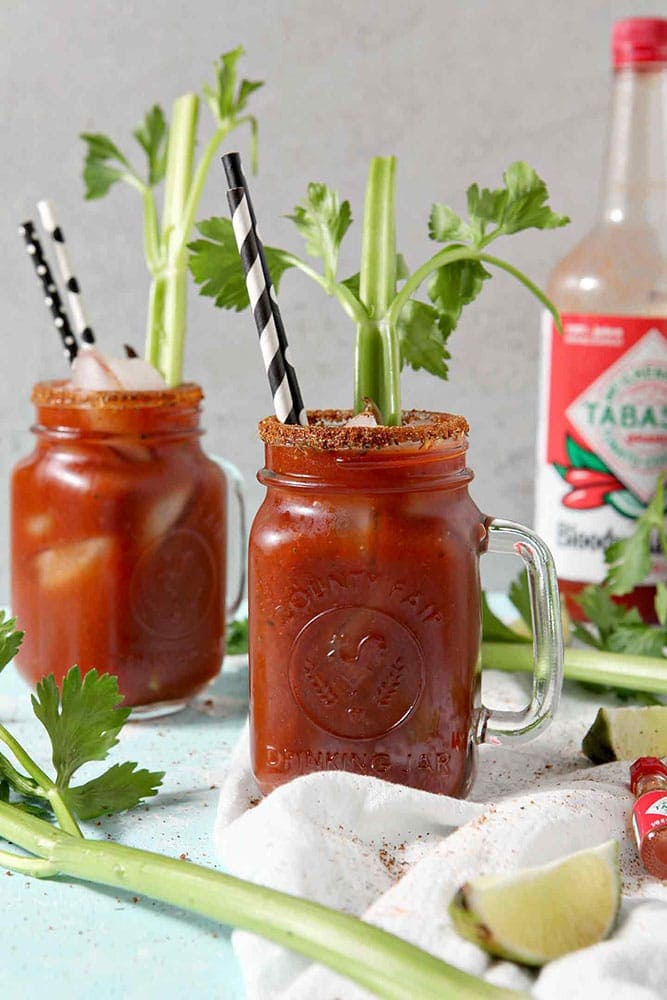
{"x":51,"y":296}
{"x":47,"y":216}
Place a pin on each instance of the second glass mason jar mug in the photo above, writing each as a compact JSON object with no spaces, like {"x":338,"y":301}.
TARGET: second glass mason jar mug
{"x":364,"y":602}
{"x":119,"y":543}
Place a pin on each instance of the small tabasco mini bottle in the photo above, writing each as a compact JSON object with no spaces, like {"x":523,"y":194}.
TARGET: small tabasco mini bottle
{"x":648,"y":781}
{"x":602,"y":438}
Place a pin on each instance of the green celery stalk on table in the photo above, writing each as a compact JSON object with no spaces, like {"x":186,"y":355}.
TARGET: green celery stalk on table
{"x":83,"y":722}
{"x":393,"y":327}
{"x":170,"y":158}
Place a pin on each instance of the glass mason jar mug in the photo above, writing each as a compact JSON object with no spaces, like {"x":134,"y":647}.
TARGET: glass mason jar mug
{"x":364,"y":602}
{"x":119,"y":541}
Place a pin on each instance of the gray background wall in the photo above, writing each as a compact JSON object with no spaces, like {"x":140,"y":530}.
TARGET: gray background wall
{"x":456,"y":89}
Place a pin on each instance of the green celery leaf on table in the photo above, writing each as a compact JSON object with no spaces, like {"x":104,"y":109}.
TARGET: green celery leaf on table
{"x":237,"y":637}
{"x":121,"y":787}
{"x":83,"y":725}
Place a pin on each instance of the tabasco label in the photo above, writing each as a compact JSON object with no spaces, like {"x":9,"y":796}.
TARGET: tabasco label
{"x":649,"y":814}
{"x":602,"y":434}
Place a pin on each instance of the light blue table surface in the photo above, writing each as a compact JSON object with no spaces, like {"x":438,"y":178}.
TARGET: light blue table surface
{"x":65,"y":939}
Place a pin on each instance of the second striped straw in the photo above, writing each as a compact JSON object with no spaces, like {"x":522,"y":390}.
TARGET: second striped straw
{"x":47,"y":216}
{"x":287,"y":400}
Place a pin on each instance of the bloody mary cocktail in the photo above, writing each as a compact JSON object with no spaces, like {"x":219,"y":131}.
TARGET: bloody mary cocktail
{"x":118,"y":542}
{"x":365,"y":603}
{"x":364,"y":606}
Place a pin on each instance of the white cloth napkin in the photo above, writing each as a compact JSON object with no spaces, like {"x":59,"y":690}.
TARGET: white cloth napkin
{"x":396,"y":856}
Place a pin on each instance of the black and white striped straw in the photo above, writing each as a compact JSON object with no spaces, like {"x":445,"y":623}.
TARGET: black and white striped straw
{"x":51,"y":296}
{"x":248,"y":224}
{"x":285,"y":406}
{"x":48,"y":218}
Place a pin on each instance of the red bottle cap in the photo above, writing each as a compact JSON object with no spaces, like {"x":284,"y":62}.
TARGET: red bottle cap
{"x":643,"y":766}
{"x":639,"y":40}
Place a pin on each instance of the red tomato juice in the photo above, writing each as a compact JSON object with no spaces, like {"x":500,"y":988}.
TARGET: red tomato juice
{"x":364,"y":599}
{"x":118,"y":539}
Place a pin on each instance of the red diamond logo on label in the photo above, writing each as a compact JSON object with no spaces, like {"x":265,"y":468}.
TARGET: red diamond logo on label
{"x":622,"y":416}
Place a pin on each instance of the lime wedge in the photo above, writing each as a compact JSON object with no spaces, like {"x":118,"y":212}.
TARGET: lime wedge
{"x":537,"y":914}
{"x":627,"y":733}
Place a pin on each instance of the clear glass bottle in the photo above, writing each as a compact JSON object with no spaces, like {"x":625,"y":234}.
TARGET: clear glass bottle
{"x":648,"y":780}
{"x":602,"y":438}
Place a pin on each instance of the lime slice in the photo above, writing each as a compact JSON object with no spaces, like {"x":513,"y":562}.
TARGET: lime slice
{"x":627,"y":733}
{"x":537,"y":914}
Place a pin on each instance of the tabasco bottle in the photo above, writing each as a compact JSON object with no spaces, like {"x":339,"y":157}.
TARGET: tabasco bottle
{"x":602,"y":438}
{"x":648,"y":781}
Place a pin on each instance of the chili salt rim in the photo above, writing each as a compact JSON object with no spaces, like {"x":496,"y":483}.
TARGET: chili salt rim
{"x":326,"y":430}
{"x":61,"y":393}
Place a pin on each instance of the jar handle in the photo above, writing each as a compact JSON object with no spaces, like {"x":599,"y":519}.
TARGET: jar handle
{"x":236,"y":489}
{"x":519,"y":726}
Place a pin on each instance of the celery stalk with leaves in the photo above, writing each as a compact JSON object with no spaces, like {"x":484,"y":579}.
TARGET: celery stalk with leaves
{"x":627,"y":654}
{"x":394,"y":328}
{"x":169,"y":148}
{"x":42,"y":815}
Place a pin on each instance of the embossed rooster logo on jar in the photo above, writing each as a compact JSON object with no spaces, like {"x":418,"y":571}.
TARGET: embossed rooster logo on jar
{"x":349,"y":672}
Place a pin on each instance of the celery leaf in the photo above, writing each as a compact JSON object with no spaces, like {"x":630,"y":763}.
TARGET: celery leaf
{"x":10,"y":640}
{"x":610,"y":625}
{"x":83,"y":723}
{"x":423,"y":344}
{"x":629,"y":559}
{"x":452,"y":287}
{"x":485,"y":207}
{"x":445,"y":226}
{"x":604,"y":616}
{"x":246,"y":88}
{"x":237,"y":637}
{"x":637,"y":640}
{"x":322,"y":219}
{"x":216,"y":266}
{"x":520,"y":204}
{"x":153,"y":136}
{"x":519,"y":595}
{"x":104,"y":165}
{"x":119,"y":788}
{"x":225,"y":98}
{"x":495,"y":630}
{"x":526,"y":204}
{"x":661,"y":602}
